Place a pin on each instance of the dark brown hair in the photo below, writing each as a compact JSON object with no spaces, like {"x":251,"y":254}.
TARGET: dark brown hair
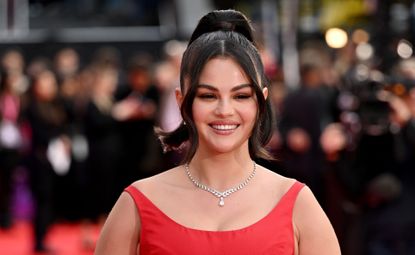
{"x":235,"y":41}
{"x":223,"y":20}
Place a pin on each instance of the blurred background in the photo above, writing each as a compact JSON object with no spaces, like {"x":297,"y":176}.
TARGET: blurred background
{"x":83,"y":83}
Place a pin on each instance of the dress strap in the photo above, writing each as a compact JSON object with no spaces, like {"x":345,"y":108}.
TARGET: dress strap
{"x":135,"y":194}
{"x":295,"y":189}
{"x":143,"y":204}
{"x":288,"y":200}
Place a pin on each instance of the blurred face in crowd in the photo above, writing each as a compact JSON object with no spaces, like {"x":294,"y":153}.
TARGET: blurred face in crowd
{"x":46,"y":87}
{"x":105,"y":82}
{"x":67,"y":61}
{"x":13,"y":61}
{"x":139,"y":79}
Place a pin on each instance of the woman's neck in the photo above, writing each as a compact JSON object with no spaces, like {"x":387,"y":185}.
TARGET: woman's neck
{"x":221,"y":171}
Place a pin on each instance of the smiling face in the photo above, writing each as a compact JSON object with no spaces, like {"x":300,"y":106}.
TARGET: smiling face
{"x":225,"y":107}
{"x":208,"y":54}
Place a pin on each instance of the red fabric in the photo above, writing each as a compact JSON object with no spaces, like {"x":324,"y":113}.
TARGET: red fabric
{"x":273,"y":234}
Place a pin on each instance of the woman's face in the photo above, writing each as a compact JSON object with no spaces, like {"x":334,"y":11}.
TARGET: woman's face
{"x":225,"y":106}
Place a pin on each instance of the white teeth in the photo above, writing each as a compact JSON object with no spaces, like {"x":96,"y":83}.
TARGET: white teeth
{"x":224,"y":127}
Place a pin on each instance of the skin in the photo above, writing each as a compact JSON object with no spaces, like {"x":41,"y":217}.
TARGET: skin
{"x":221,"y":161}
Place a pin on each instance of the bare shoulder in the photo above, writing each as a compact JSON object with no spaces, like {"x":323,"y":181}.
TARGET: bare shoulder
{"x":280,"y":183}
{"x":120,"y":233}
{"x":159,"y":184}
{"x":312,"y":227}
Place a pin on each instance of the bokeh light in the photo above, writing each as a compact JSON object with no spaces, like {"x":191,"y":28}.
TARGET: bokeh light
{"x":364,"y":51}
{"x":336,"y":38}
{"x":360,"y":36}
{"x":404,"y":49}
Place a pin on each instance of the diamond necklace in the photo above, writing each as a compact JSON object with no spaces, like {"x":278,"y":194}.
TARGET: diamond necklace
{"x":216,"y":193}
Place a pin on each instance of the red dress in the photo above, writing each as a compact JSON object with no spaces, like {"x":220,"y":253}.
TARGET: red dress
{"x":273,"y":234}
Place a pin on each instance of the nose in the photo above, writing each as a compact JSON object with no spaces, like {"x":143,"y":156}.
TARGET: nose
{"x":224,"y":108}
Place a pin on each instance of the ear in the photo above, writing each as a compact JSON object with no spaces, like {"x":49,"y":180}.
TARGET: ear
{"x":179,"y":97}
{"x":265,"y":92}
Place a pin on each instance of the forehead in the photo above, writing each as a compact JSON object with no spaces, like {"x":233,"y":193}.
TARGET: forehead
{"x":223,"y":71}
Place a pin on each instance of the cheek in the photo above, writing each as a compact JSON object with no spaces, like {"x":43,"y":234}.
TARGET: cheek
{"x":251,"y":112}
{"x":198,"y":112}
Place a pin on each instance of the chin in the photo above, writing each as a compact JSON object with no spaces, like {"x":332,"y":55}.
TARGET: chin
{"x":222,"y":148}
{"x":225,"y":144}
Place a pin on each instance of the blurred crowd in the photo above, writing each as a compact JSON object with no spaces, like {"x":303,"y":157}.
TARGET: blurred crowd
{"x":348,"y":132}
{"x":83,"y":133}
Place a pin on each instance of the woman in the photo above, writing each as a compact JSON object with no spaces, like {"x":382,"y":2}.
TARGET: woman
{"x":227,"y":121}
{"x":49,"y":152}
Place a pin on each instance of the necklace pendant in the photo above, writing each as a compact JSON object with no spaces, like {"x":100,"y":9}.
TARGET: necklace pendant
{"x":221,"y":202}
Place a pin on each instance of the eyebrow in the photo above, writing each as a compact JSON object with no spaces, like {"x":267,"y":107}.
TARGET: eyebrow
{"x":210,"y":87}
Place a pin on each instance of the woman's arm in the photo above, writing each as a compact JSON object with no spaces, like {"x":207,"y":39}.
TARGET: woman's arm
{"x":120,"y":234}
{"x":314,"y":232}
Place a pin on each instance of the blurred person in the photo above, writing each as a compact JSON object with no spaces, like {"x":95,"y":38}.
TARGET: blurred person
{"x":277,"y":93}
{"x":13,"y":63}
{"x":103,"y":141}
{"x":379,"y":180}
{"x":34,"y":68}
{"x":167,"y":76}
{"x":227,"y":122}
{"x":104,"y":151}
{"x":305,"y":112}
{"x":50,"y":150}
{"x":387,"y":202}
{"x":38,"y":65}
{"x":270,"y":63}
{"x":275,"y":146}
{"x":166,"y":79}
{"x":406,"y":121}
{"x":107,"y":56}
{"x":339,"y":184}
{"x":11,"y":142}
{"x":66,"y":62}
{"x":386,"y":176}
{"x":67,"y":68}
{"x":13,"y":84}
{"x":136,"y":109}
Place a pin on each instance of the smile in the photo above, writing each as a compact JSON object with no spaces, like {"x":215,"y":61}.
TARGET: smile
{"x":224,"y":127}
